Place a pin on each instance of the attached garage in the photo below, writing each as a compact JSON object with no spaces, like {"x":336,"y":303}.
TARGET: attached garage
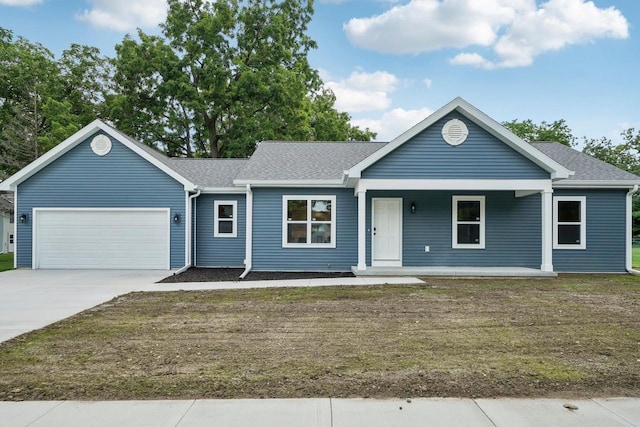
{"x":101,"y":238}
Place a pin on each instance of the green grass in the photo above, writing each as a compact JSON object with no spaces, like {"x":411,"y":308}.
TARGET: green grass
{"x":636,"y":257}
{"x":6,"y":262}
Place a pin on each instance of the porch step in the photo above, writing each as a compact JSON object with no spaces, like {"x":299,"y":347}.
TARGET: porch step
{"x":454,"y":271}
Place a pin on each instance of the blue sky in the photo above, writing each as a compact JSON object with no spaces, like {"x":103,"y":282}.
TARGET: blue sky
{"x":392,"y":62}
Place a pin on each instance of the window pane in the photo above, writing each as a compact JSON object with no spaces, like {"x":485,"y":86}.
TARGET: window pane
{"x":225,"y":227}
{"x":320,"y":233}
{"x":469,"y":234}
{"x":225,"y":211}
{"x":568,"y":211}
{"x":321,"y":210}
{"x":469,"y":210}
{"x":569,"y":234}
{"x":296,"y":233}
{"x":297,"y":210}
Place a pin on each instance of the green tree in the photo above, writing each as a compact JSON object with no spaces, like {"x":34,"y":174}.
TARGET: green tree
{"x":557,"y":131}
{"x":43,"y":100}
{"x":222,"y":76}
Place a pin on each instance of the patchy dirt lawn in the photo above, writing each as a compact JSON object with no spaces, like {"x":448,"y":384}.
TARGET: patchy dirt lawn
{"x":577,"y":336}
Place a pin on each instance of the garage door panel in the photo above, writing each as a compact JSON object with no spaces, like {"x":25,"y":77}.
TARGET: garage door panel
{"x":107,"y":239}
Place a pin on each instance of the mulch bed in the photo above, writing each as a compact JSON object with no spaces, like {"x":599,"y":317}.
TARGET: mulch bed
{"x":196,"y":274}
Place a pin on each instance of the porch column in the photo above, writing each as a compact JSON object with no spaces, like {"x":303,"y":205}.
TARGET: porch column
{"x":362,"y":230}
{"x":547,"y":230}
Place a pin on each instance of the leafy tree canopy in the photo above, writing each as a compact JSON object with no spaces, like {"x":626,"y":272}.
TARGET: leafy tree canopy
{"x":43,"y":100}
{"x":222,"y":76}
{"x":557,"y":131}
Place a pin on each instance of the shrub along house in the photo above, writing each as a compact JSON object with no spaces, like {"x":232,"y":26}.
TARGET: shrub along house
{"x":456,"y":194}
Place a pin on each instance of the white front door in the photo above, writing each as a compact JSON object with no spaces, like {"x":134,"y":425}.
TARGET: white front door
{"x":387,"y":232}
{"x":10,"y":242}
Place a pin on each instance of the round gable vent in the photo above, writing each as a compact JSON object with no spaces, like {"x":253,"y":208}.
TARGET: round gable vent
{"x":455,"y":132}
{"x":101,"y":145}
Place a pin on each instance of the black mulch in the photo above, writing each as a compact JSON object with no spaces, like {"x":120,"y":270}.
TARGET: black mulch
{"x":195,"y":274}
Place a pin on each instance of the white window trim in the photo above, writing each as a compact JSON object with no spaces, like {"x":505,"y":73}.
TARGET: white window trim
{"x":309,"y":244}
{"x":582,"y":223}
{"x":455,"y":222}
{"x":234,"y":232}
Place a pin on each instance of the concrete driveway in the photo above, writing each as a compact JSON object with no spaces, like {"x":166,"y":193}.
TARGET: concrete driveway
{"x":31,"y":299}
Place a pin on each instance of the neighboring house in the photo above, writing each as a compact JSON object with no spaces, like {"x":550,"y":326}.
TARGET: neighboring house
{"x":6,"y":223}
{"x":456,"y":194}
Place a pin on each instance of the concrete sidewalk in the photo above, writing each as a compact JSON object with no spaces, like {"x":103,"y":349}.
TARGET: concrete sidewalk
{"x":324,"y":413}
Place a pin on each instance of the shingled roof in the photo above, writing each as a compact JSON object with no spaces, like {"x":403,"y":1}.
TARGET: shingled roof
{"x":304,"y":161}
{"x":586,"y":168}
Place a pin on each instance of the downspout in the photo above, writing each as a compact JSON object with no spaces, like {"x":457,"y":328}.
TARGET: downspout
{"x":249,"y":233}
{"x":189,"y":232}
{"x":629,"y":254}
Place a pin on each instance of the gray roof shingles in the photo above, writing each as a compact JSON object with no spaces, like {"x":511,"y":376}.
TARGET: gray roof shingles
{"x":299,"y":161}
{"x":586,"y":168}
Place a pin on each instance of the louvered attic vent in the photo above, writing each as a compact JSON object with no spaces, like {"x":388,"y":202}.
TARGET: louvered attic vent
{"x":455,"y":132}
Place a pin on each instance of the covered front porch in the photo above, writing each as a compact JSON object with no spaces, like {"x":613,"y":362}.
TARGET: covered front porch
{"x":482,"y":228}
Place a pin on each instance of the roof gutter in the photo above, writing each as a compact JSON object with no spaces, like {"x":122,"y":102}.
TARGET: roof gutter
{"x":249,"y":233}
{"x":629,"y":253}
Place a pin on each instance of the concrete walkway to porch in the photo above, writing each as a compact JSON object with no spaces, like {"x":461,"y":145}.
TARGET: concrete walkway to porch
{"x":455,"y":271}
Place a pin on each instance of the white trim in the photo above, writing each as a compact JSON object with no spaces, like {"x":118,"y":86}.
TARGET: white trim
{"x":41,"y":162}
{"x":248,"y":257}
{"x":547,"y":230}
{"x":362,"y":230}
{"x":35,"y":211}
{"x":582,"y":223}
{"x":296,"y":183}
{"x":595,"y":184}
{"x":223,"y":190}
{"x":234,"y":218}
{"x":191,"y":224}
{"x":455,"y":222}
{"x":15,"y":228}
{"x":556,"y":170}
{"x":629,"y":231}
{"x":308,"y":221}
{"x":387,"y":263}
{"x":455,"y":184}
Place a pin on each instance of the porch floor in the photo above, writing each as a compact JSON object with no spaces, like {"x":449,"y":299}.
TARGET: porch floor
{"x":454,"y":271}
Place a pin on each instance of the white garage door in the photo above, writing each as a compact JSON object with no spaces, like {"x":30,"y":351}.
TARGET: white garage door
{"x":101,"y":238}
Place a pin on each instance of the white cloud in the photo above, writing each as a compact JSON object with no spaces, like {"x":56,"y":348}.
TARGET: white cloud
{"x":124,"y":15}
{"x":19,"y":3}
{"x":393,"y":123}
{"x":428,"y":83}
{"x":364,"y":91}
{"x":516,"y":30}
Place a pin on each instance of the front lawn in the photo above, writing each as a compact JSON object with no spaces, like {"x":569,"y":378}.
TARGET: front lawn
{"x":576,"y":336}
{"x":636,"y":257}
{"x":6,"y":262}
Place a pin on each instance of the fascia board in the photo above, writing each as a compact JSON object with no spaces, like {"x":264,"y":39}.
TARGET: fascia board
{"x":292,"y":183}
{"x":582,"y":184}
{"x":223,"y":190}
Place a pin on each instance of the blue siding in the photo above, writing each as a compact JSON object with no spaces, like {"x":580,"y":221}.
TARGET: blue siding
{"x":219,"y":251}
{"x":428,"y":156}
{"x":268,"y":253}
{"x":606,"y":234}
{"x":121,"y":179}
{"x":512,"y":228}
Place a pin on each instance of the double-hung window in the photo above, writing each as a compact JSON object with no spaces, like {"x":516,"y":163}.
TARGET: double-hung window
{"x":309,"y":221}
{"x":225,"y":218}
{"x":468,"y":222}
{"x":570,"y":222}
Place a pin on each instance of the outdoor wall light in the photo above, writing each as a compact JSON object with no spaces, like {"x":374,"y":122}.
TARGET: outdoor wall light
{"x":23,"y":218}
{"x":413,"y":207}
{"x":176,"y":218}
